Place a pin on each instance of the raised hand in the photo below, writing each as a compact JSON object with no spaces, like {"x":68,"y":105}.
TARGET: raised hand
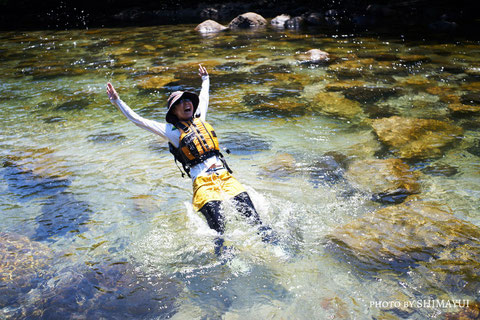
{"x":202,"y":71}
{"x":112,"y":93}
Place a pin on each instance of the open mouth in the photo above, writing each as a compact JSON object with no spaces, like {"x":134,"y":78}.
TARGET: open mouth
{"x":187,"y":109}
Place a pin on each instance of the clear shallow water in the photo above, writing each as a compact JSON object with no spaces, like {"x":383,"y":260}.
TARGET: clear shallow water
{"x":105,"y":199}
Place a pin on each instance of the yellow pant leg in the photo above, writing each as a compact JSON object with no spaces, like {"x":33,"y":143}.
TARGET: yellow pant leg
{"x":216,"y":186}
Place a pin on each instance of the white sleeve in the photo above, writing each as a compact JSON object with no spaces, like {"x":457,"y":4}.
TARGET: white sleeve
{"x":150,"y":125}
{"x":203,"y":104}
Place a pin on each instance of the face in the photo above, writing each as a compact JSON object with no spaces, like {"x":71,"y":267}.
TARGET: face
{"x":183,"y":109}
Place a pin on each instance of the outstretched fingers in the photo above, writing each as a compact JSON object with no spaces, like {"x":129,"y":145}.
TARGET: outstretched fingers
{"x":111,"y":92}
{"x":202,"y":71}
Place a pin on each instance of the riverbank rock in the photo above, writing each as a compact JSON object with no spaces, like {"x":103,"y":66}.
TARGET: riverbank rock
{"x":388,"y":180}
{"x":416,"y":138}
{"x":248,"y":20}
{"x":210,"y":26}
{"x":279,"y":21}
{"x":404,"y":235}
{"x":22,"y":265}
{"x":333,"y":104}
{"x":313,"y":56}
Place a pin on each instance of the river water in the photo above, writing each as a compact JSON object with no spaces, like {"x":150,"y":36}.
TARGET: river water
{"x":96,"y":219}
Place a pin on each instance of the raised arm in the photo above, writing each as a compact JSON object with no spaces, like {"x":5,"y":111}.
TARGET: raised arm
{"x":204,"y":96}
{"x":150,"y":125}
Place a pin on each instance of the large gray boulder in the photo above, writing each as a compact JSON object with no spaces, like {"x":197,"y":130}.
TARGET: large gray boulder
{"x":248,"y":20}
{"x":210,"y":26}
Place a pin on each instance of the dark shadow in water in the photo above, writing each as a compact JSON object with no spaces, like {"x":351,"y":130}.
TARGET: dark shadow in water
{"x":244,"y":143}
{"x":116,"y":291}
{"x":61,"y":214}
{"x":25,"y":185}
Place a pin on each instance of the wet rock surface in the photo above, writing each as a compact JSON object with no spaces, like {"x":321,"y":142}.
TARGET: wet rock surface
{"x":248,"y":20}
{"x":388,"y":181}
{"x":333,"y":104}
{"x":416,"y":138}
{"x":210,"y":26}
{"x":313,"y":56}
{"x":406,"y":235}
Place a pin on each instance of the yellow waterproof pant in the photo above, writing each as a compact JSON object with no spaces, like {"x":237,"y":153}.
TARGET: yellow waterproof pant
{"x":220,"y":185}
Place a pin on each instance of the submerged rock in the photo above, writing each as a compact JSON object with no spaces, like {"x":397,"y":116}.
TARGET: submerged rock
{"x":62,"y":214}
{"x":274,"y":68}
{"x":472,"y":98}
{"x":333,"y":104}
{"x":379,"y":111}
{"x":440,"y":169}
{"x":389,"y":180}
{"x":328,"y":169}
{"x":402,"y":236}
{"x":463,"y":109}
{"x":352,"y":69}
{"x":343,"y":85}
{"x":35,"y":173}
{"x":369,"y":94}
{"x":106,"y":137}
{"x":155,"y":83}
{"x":113,"y":291}
{"x":54,"y":119}
{"x":313,"y":56}
{"x":39,"y":174}
{"x":244,"y":143}
{"x":248,"y":20}
{"x":23,"y":264}
{"x":210,"y":26}
{"x":283,"y":108}
{"x":416,"y":138}
{"x":281,"y":166}
{"x":475,"y":149}
{"x":73,"y":105}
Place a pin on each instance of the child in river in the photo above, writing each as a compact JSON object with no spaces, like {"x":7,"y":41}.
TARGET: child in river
{"x":194,"y":144}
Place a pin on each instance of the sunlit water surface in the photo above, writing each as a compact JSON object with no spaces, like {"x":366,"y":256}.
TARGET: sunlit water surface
{"x":107,"y":202}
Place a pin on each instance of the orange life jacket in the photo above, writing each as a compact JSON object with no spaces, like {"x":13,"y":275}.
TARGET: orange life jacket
{"x":198,"y":142}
